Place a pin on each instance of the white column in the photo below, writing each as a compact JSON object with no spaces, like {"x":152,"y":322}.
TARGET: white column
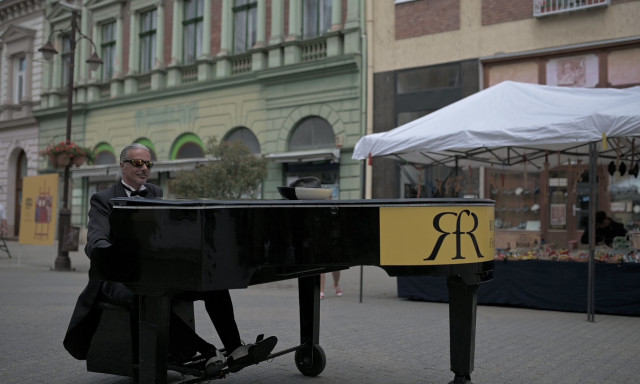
{"x":275,"y":56}
{"x":176,"y":36}
{"x":295,"y":20}
{"x":277,"y":25}
{"x":227,"y":25}
{"x":206,"y":30}
{"x":134,"y":57}
{"x":336,"y":15}
{"x":223,"y":66}
{"x":159,"y":62}
{"x":261,"y":24}
{"x":118,"y":68}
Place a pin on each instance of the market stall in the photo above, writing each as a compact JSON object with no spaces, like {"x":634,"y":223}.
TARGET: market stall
{"x":543,"y":284}
{"x":530,"y":129}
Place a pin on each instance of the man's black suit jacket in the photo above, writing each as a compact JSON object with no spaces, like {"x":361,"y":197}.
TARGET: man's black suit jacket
{"x":86,"y":315}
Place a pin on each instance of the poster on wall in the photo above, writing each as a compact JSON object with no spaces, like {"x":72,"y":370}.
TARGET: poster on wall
{"x":38,"y":217}
{"x":558,"y":217}
{"x":574,"y":71}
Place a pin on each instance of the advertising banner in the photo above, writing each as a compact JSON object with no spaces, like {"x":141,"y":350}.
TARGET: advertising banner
{"x":39,"y":214}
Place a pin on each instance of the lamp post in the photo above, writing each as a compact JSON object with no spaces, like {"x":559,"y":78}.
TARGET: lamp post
{"x":62,"y":262}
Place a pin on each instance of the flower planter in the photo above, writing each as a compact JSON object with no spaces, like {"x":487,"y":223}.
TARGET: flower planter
{"x":63,"y":159}
{"x":66,"y":153}
{"x":79,"y":160}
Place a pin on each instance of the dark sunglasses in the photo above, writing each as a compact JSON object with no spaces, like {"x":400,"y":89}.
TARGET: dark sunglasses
{"x":139,"y":163}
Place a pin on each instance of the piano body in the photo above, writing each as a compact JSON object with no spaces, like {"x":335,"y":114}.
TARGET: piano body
{"x":166,"y":247}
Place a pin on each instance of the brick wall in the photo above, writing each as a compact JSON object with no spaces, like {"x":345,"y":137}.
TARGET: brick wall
{"x":216,"y":26}
{"x":426,"y":17}
{"x":501,"y":11}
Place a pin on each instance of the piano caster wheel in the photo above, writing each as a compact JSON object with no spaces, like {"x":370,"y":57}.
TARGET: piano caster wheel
{"x":311,"y":360}
{"x":461,"y":379}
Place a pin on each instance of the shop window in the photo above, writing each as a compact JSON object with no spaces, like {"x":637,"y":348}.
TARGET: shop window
{"x":192,"y":25}
{"x":429,"y":78}
{"x":247,"y":137}
{"x":314,"y":133}
{"x":245,"y":17}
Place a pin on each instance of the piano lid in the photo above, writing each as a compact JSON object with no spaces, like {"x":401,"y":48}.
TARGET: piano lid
{"x":132,"y":201}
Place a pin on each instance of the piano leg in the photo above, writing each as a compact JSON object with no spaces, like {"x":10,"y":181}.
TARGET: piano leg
{"x":309,"y":299}
{"x":463,"y":301}
{"x":310,"y":357}
{"x":153,"y":338}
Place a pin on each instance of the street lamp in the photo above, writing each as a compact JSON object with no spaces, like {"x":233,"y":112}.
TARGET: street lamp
{"x":62,"y":262}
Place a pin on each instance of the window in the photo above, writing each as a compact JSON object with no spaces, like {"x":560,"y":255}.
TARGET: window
{"x":108,"y":50}
{"x":312,"y":133}
{"x":66,"y":60}
{"x":423,"y":79}
{"x":244,"y":135}
{"x":245,"y":13}
{"x":147,"y":36}
{"x":187,"y":146}
{"x":316,"y":18}
{"x":192,"y":24}
{"x":20,"y":77}
{"x":104,"y":154}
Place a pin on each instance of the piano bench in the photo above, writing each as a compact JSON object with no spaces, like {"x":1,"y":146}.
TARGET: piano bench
{"x":112,"y":350}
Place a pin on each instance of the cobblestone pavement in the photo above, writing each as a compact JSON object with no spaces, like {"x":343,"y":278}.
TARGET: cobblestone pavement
{"x":382,"y":339}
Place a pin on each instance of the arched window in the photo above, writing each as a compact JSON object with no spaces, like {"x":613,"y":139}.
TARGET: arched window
{"x":104,"y":154}
{"x":187,"y":146}
{"x":245,"y":136}
{"x":147,"y":143}
{"x":312,"y":133}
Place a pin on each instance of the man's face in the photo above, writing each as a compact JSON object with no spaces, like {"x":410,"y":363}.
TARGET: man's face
{"x":605,"y":223}
{"x":132,"y":175}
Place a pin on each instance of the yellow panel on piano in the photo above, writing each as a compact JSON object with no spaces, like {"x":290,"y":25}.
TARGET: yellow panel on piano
{"x":436,"y":235}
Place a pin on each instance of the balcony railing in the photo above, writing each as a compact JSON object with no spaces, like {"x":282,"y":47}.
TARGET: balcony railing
{"x":241,"y":64}
{"x":314,"y":50}
{"x":552,"y":7}
{"x":189,"y":73}
{"x":144,"y":82}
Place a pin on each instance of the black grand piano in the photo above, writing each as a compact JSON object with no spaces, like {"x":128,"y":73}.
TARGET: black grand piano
{"x":173,"y":246}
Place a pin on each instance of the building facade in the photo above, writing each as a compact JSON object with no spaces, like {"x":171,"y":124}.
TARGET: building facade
{"x":424,"y":55}
{"x":285,"y":77}
{"x":21,"y":33}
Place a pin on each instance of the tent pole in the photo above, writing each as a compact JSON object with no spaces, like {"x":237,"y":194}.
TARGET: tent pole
{"x":593,"y":182}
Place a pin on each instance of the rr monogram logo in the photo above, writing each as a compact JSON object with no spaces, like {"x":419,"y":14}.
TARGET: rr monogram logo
{"x":458,"y":233}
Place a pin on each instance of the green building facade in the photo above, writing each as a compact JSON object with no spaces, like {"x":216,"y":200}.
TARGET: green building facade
{"x":288,"y":82}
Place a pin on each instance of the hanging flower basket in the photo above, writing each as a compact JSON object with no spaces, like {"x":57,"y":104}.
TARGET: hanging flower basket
{"x":63,"y":159}
{"x":66,"y":153}
{"x":79,"y":160}
{"x":53,"y":160}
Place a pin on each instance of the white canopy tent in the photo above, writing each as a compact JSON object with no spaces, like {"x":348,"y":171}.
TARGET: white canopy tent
{"x":516,"y":125}
{"x":512,"y":122}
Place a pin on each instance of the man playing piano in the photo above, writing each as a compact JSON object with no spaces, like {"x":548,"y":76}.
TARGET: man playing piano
{"x":185,"y":344}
